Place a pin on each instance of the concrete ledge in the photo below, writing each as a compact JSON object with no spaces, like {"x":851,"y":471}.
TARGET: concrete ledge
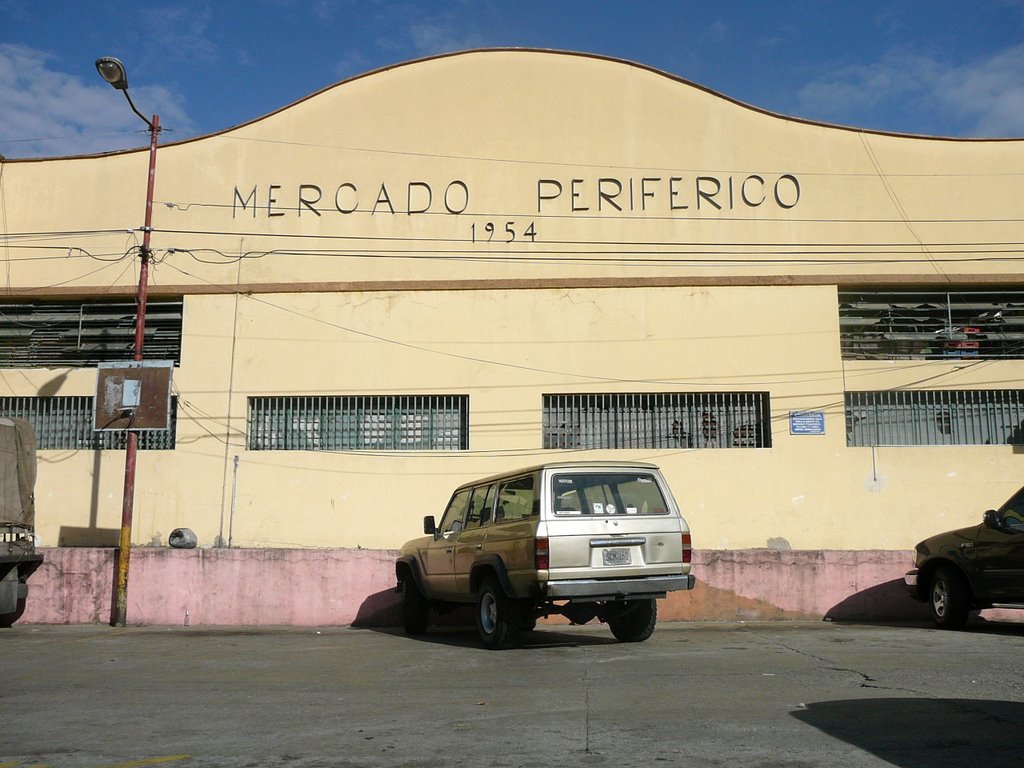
{"x":325,"y":587}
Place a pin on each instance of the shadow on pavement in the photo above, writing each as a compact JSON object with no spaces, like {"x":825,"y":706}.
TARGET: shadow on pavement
{"x":976,"y":625}
{"x":465,"y":636}
{"x":990,"y":627}
{"x":381,"y":609}
{"x":884,"y":602}
{"x":382,"y":612}
{"x":925,"y":733}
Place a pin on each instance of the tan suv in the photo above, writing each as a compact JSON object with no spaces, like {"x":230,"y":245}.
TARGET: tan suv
{"x":582,"y":539}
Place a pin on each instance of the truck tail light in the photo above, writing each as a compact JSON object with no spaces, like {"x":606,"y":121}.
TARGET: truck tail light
{"x":687,"y":548}
{"x":541,"y":554}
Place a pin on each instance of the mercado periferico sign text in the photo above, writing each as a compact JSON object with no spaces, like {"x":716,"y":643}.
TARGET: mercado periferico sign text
{"x":655,"y":194}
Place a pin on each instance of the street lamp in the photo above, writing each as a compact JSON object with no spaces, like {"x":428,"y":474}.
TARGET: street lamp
{"x":113,"y":72}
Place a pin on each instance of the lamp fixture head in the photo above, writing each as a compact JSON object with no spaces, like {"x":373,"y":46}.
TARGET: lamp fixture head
{"x":112,"y":70}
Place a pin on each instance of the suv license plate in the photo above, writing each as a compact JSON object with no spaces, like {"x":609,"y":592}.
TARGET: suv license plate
{"x":618,"y":556}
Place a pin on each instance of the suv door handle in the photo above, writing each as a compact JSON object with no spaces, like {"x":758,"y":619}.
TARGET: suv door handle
{"x":479,"y":547}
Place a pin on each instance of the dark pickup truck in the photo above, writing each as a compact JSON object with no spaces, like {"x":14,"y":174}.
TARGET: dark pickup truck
{"x":972,"y":568}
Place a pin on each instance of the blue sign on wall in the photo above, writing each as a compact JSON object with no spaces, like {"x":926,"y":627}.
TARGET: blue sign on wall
{"x":807,"y":422}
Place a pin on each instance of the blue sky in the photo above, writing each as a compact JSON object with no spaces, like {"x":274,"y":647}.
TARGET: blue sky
{"x":940,"y":68}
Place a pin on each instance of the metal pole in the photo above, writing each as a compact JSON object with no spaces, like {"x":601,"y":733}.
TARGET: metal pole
{"x":234,"y":502}
{"x":128,"y":505}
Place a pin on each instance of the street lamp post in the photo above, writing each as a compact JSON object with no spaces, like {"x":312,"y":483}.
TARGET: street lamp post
{"x":113,"y":72}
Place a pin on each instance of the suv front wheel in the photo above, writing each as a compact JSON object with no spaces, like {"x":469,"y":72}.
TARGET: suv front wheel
{"x":415,"y":608}
{"x":499,"y":618}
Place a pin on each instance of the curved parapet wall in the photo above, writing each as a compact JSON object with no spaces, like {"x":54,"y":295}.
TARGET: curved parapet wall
{"x":514,"y":165}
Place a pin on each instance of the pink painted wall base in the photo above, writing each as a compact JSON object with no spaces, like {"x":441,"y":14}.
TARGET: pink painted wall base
{"x":330,"y":587}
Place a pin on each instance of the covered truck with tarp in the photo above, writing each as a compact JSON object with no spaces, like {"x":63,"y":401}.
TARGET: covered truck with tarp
{"x":18,"y":556}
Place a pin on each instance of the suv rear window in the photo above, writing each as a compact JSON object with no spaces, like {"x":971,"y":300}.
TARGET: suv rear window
{"x":607,"y":494}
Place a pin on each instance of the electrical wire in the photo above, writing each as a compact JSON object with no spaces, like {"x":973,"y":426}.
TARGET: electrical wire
{"x":597,"y":166}
{"x":536,"y":369}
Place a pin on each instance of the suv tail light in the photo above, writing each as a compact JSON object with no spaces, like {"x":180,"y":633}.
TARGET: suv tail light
{"x":687,"y":548}
{"x":541,"y":554}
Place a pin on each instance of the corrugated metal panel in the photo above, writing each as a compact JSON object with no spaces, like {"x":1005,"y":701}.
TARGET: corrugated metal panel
{"x":658,"y":420}
{"x":886,"y":325}
{"x":65,"y":423}
{"x":935,"y":417}
{"x":84,"y":333}
{"x":358,"y":423}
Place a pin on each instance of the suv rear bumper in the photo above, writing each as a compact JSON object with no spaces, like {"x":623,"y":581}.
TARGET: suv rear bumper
{"x":616,"y":589}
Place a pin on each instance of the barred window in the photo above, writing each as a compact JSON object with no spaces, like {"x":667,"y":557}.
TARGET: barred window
{"x":658,"y":420}
{"x":359,"y":423}
{"x":65,"y":423}
{"x":951,"y":417}
{"x":42,"y":334}
{"x":927,"y":325}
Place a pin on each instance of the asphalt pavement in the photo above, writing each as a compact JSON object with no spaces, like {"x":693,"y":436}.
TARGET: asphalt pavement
{"x":745,"y":694}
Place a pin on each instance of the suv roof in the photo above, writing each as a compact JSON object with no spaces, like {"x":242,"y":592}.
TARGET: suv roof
{"x":578,"y":464}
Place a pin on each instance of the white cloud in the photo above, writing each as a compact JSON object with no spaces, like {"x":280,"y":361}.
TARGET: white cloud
{"x":411,"y":34}
{"x":427,"y":33}
{"x":352,"y":64}
{"x":180,"y":33}
{"x":718,"y":31}
{"x":991,"y":93}
{"x":430,"y":37}
{"x":48,"y":113}
{"x":980,"y":98}
{"x":434,"y":37}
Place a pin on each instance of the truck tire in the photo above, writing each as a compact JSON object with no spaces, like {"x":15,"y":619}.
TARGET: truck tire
{"x":949,"y":598}
{"x":499,"y":618}
{"x":636,"y":622}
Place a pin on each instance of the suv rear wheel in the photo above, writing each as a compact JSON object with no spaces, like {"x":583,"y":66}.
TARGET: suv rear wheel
{"x":949,"y":599}
{"x":635,"y":622}
{"x":499,"y":618}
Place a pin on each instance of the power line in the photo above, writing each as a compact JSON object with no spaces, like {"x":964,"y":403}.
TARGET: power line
{"x":600,"y":166}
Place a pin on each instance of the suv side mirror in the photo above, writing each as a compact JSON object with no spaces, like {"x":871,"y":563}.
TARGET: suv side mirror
{"x":993,"y":520}
{"x":429,"y":526}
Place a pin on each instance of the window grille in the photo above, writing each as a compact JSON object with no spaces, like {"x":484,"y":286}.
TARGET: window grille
{"x":658,"y":420}
{"x":65,"y":423}
{"x":359,"y":423}
{"x":83,"y":333}
{"x":952,"y":417}
{"x":931,"y":325}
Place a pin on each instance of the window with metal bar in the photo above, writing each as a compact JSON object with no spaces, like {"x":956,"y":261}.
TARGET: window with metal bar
{"x":935,"y":417}
{"x":65,"y":423}
{"x":658,"y":420}
{"x":359,"y":423}
{"x":79,"y":334}
{"x":931,"y":325}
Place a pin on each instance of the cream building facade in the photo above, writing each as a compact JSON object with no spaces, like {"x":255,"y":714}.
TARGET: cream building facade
{"x":460,"y":265}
